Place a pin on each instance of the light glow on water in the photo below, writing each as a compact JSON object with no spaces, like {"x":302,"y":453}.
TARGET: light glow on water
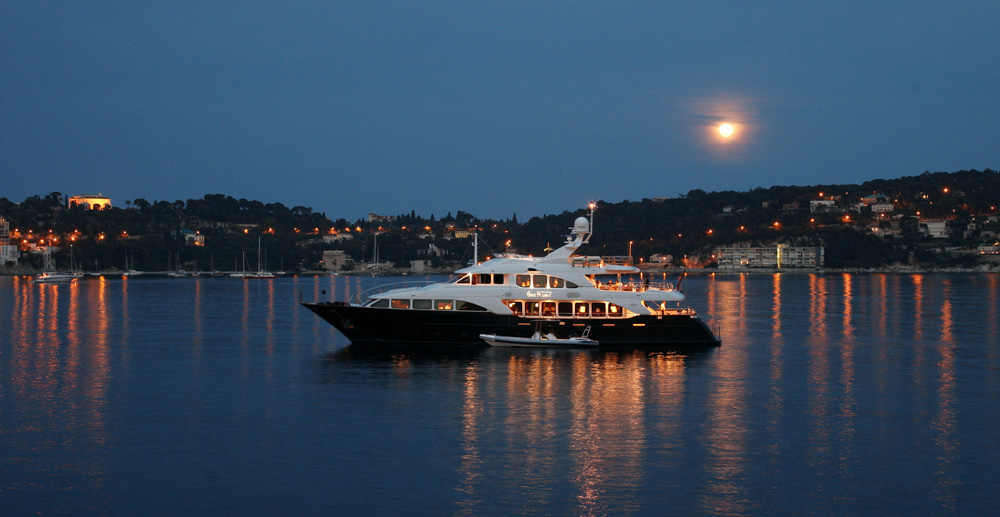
{"x":116,"y":394}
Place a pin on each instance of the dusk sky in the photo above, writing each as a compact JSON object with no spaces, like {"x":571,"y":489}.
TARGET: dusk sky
{"x":494,"y":108}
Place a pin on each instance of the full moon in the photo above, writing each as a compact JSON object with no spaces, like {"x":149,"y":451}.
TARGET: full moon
{"x":726,"y":130}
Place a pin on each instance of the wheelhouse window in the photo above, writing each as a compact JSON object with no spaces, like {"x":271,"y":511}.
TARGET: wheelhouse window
{"x":444,"y":305}
{"x":381,"y":303}
{"x":467,"y":279}
{"x":421,"y":304}
{"x":401,"y":304}
{"x":488,"y":278}
{"x":523,"y":280}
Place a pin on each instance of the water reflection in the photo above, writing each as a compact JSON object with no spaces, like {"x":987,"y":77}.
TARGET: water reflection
{"x":944,"y":421}
{"x":56,"y":369}
{"x":824,"y":384}
{"x":591,"y":412}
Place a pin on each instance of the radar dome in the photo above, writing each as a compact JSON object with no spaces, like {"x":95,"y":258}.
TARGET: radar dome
{"x":581,"y":225}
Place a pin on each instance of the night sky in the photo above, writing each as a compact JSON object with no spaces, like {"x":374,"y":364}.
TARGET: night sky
{"x":494,"y":108}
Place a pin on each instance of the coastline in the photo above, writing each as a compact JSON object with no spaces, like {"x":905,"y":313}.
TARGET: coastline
{"x":898,"y":270}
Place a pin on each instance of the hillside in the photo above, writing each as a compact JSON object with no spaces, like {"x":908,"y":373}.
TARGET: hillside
{"x":874,"y":224}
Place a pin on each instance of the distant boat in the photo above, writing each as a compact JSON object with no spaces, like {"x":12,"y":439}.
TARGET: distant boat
{"x":260,"y":268}
{"x":51,"y":276}
{"x":130,"y":267}
{"x":176,"y":273}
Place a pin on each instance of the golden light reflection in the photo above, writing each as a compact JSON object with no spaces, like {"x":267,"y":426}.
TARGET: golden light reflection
{"x":269,"y":317}
{"x":945,"y":421}
{"x":882,"y":315}
{"x":817,"y":306}
{"x":776,"y":307}
{"x":600,"y":403}
{"x":472,"y":462}
{"x":726,"y":437}
{"x":918,"y":309}
{"x":848,"y":305}
{"x":994,"y":303}
{"x":58,"y":367}
{"x":197,"y":319}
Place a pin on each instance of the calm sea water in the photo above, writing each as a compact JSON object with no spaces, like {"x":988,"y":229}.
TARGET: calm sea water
{"x":830,"y":394}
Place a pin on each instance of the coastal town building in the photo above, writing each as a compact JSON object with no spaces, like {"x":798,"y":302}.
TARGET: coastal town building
{"x":660,"y":258}
{"x":822,"y":205}
{"x":935,"y":229}
{"x":193,"y":238}
{"x":337,"y":260}
{"x":8,"y":254}
{"x":90,"y":202}
{"x":881,"y":208}
{"x":780,"y":256}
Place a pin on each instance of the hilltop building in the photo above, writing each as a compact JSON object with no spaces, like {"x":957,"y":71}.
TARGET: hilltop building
{"x":91,"y":202}
{"x":375,"y":218}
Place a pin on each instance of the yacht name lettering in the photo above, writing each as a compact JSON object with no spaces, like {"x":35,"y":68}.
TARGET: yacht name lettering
{"x":539,"y":294}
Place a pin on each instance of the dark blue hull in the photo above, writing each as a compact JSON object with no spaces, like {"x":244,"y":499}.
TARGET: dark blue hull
{"x":367,"y":325}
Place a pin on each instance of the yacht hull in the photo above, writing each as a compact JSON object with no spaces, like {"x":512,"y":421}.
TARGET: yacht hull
{"x":385,"y":326}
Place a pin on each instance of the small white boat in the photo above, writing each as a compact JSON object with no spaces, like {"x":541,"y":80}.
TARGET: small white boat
{"x":541,"y":340}
{"x":52,"y":277}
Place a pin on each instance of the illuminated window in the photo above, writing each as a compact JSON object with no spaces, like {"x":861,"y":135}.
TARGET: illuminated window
{"x":401,"y":304}
{"x":531,"y":308}
{"x":582,"y":309}
{"x":599,"y":309}
{"x":615,"y":311}
{"x":444,"y":305}
{"x":516,"y":307}
{"x":548,"y":308}
{"x":556,"y":282}
{"x":523,"y":280}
